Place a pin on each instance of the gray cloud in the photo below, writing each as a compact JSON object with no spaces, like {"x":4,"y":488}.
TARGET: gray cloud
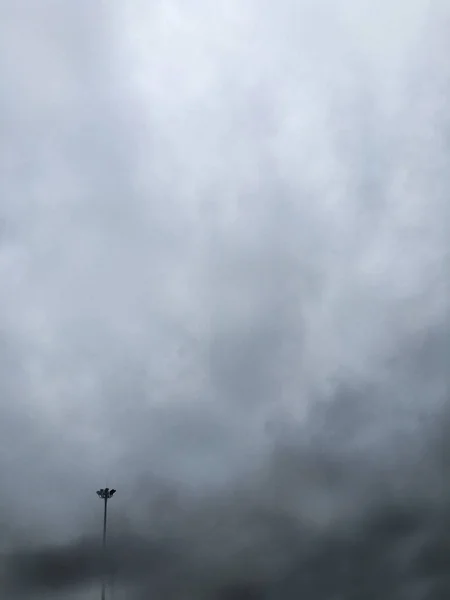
{"x":222,"y":231}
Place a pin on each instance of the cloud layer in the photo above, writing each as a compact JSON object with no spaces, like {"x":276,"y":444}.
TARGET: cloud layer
{"x":223,"y":231}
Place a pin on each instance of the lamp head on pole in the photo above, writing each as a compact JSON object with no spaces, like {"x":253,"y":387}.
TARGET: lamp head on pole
{"x":105,"y":493}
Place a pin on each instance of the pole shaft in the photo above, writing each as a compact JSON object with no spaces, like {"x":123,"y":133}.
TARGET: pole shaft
{"x":104,"y":522}
{"x":105,"y":512}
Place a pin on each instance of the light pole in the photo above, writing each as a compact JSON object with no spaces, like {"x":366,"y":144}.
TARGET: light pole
{"x":105,"y":494}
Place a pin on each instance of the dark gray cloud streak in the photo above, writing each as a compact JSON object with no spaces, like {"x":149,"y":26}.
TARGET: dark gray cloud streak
{"x":224,"y":233}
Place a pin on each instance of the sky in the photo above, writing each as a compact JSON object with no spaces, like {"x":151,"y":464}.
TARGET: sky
{"x":224,"y":256}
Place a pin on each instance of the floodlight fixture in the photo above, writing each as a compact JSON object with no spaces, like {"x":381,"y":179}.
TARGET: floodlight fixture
{"x":106,"y":493}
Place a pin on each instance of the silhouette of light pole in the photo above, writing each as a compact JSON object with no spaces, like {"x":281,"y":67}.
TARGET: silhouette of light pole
{"x":105,"y":494}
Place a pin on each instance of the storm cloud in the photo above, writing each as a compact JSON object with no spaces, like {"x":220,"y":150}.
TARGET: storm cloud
{"x":224,"y":239}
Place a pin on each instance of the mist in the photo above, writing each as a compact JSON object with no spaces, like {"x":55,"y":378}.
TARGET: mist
{"x":224,"y":241}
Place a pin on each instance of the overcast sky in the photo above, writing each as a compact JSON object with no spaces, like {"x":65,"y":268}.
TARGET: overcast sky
{"x":218,"y":221}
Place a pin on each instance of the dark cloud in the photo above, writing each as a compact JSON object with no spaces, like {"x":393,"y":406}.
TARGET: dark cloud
{"x":224,"y":291}
{"x":266,"y":540}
